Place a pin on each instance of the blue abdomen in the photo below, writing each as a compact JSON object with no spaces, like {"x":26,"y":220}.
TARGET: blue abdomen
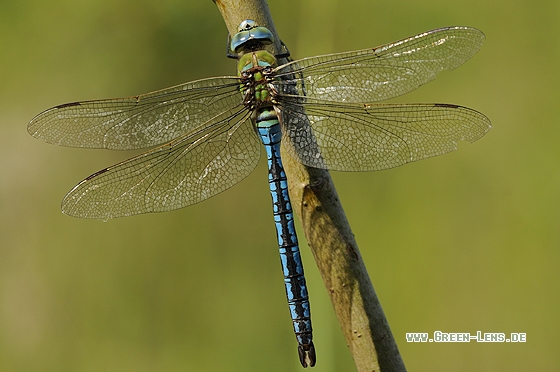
{"x":270,"y":133}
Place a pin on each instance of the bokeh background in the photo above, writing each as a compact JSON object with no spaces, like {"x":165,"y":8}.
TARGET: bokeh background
{"x":464,"y":242}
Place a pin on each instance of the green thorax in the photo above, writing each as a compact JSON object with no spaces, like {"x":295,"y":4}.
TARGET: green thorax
{"x":256,"y":66}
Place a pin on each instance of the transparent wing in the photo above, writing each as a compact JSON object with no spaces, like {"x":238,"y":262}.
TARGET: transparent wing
{"x":357,"y":137}
{"x":137,"y":122}
{"x":381,"y":73}
{"x":185,"y":171}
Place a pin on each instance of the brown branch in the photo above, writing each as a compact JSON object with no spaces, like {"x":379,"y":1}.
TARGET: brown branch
{"x":329,"y":235}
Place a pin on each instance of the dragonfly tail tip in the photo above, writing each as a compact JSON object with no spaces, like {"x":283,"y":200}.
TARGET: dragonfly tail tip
{"x":307,"y":355}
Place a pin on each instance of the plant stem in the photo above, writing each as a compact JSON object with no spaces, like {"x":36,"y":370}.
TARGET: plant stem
{"x":329,"y":236}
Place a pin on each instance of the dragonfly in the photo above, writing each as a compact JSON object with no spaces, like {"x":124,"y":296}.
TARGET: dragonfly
{"x":205,"y":136}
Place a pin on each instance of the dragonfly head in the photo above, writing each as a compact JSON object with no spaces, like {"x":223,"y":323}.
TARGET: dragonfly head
{"x":250,"y":37}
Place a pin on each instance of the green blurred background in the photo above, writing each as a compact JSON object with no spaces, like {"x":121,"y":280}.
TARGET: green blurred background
{"x":465,"y":242}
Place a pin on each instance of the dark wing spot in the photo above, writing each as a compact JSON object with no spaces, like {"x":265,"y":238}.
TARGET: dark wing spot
{"x":96,"y":174}
{"x":68,"y":105}
{"x":446,"y":105}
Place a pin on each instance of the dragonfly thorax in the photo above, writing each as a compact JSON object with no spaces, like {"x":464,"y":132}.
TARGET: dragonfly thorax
{"x":255,"y":70}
